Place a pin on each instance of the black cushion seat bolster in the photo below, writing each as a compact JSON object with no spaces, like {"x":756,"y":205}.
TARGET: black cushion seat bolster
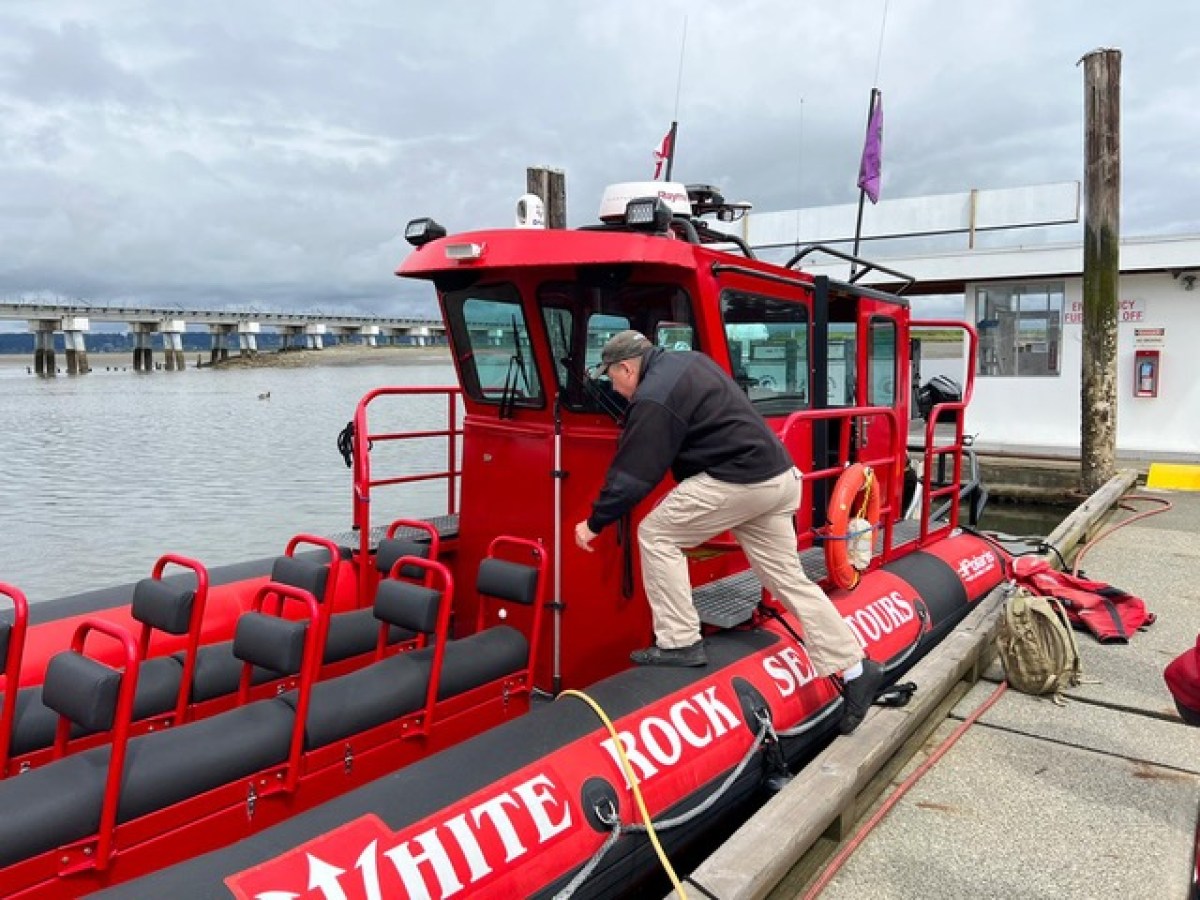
{"x":390,"y":550}
{"x":298,"y":572}
{"x":478,"y":658}
{"x":349,"y":704}
{"x":508,"y":580}
{"x":34,"y":723}
{"x":218,"y":672}
{"x":163,"y":606}
{"x":60,"y":802}
{"x":356,"y":632}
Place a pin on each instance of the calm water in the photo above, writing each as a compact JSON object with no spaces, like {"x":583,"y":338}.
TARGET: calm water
{"x":101,"y":474}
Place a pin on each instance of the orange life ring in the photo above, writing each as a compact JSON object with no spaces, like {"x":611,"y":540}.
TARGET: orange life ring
{"x":856,"y":495}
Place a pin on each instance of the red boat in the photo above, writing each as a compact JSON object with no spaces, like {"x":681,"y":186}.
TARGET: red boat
{"x":446,"y":707}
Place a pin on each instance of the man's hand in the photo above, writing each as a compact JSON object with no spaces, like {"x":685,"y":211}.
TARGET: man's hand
{"x":584,"y":537}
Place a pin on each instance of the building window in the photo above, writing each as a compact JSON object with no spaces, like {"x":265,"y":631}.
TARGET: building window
{"x":1020,"y":329}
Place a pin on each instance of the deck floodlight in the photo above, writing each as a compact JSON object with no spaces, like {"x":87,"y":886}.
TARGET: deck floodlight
{"x":420,"y":232}
{"x":648,"y":214}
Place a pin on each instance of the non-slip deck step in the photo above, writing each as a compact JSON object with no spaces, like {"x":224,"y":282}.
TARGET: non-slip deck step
{"x":732,"y":600}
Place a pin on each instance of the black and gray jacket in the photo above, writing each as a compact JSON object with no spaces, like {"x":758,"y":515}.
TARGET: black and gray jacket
{"x":687,"y":415}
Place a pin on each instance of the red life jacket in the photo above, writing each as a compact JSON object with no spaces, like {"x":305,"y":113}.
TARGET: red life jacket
{"x":1109,"y":613}
{"x":1183,"y":678}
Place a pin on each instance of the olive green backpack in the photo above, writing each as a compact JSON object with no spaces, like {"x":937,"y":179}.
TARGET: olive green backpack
{"x":1037,"y":646}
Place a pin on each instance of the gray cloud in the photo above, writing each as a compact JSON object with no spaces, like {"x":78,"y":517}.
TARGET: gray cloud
{"x":270,"y":152}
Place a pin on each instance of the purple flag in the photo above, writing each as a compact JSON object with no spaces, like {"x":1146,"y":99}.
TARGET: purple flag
{"x":872,"y":155}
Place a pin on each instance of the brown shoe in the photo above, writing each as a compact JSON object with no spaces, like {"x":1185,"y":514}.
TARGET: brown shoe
{"x":690,"y":656}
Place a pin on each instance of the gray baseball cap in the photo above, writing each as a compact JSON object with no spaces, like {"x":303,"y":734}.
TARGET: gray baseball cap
{"x":621,"y":346}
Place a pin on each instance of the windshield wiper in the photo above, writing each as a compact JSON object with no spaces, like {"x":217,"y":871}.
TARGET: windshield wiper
{"x":516,"y":369}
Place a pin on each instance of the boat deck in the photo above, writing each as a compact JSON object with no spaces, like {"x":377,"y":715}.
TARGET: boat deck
{"x":730,"y":601}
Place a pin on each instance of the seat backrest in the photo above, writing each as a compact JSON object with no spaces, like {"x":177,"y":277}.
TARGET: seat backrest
{"x":504,"y":580}
{"x":305,"y":574}
{"x":270,"y":642}
{"x":409,"y":606}
{"x":391,"y":550}
{"x":162,"y":606}
{"x":82,"y":689}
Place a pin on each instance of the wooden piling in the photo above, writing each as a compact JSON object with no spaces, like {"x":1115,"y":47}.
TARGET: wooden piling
{"x":551,"y":186}
{"x":1101,"y":266}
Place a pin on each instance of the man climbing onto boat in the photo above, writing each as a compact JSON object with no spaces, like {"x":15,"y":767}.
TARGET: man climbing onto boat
{"x":688,"y":416}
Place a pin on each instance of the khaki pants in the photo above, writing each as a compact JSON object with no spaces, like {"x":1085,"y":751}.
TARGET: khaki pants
{"x":760,"y":517}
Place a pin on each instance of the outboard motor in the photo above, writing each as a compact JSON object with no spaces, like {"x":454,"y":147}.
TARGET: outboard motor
{"x":938,"y":389}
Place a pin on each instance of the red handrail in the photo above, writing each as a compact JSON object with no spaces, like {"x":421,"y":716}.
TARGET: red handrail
{"x":122,"y":717}
{"x":363,"y":439}
{"x":956,"y":410}
{"x":314,"y":640}
{"x":895,"y":459}
{"x":193,"y":639}
{"x":12,"y":668}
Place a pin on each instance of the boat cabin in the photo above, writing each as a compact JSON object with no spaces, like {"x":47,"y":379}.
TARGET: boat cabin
{"x":527,"y":312}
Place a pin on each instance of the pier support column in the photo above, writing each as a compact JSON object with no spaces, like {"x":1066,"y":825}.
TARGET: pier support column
{"x":370,"y":334}
{"x":143,"y":349}
{"x":220,"y":342}
{"x":248,"y":338}
{"x":73,"y":328}
{"x":43,"y":347}
{"x":315,"y":336}
{"x":172,"y":332}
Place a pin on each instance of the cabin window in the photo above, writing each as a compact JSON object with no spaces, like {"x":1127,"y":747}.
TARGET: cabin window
{"x":580,"y":317}
{"x":881,"y":364}
{"x":491,"y":341}
{"x":1020,"y":329}
{"x":768,"y":350}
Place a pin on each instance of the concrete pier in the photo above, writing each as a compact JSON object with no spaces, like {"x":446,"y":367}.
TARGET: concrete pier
{"x":143,"y":350}
{"x":74,"y":328}
{"x":172,"y":336}
{"x":220,"y":342}
{"x":248,"y":338}
{"x":43,"y":348}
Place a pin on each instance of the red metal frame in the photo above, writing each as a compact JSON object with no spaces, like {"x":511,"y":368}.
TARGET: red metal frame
{"x":193,"y":636}
{"x":122,"y":717}
{"x":535,"y":628}
{"x":363,"y":482}
{"x":309,"y":666}
{"x":12,"y":668}
{"x":957,"y":410}
{"x":441,"y":630}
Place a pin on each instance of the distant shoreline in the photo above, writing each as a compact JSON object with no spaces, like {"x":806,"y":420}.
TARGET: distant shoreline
{"x":337,"y":355}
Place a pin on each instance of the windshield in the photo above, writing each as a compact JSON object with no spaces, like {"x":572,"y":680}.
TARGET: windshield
{"x":491,"y":342}
{"x":580,"y":318}
{"x":768,"y":350}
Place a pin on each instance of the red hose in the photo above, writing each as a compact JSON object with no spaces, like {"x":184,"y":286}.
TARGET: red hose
{"x":838,"y":861}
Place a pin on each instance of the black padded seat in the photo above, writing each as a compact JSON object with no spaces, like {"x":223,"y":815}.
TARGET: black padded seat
{"x":218,"y":672}
{"x":356,"y":632}
{"x":391,"y":550}
{"x":353,"y":703}
{"x":60,"y":803}
{"x":478,"y":658}
{"x":34,"y":723}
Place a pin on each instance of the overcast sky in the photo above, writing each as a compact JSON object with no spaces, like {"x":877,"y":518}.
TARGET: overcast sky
{"x":269,"y":152}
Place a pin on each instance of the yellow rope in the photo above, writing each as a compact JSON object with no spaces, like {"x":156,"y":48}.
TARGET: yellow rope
{"x":633,"y":783}
{"x":868,"y":484}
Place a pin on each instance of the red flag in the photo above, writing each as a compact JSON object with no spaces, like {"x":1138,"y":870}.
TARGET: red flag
{"x":872,"y":155}
{"x":663,"y":152}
